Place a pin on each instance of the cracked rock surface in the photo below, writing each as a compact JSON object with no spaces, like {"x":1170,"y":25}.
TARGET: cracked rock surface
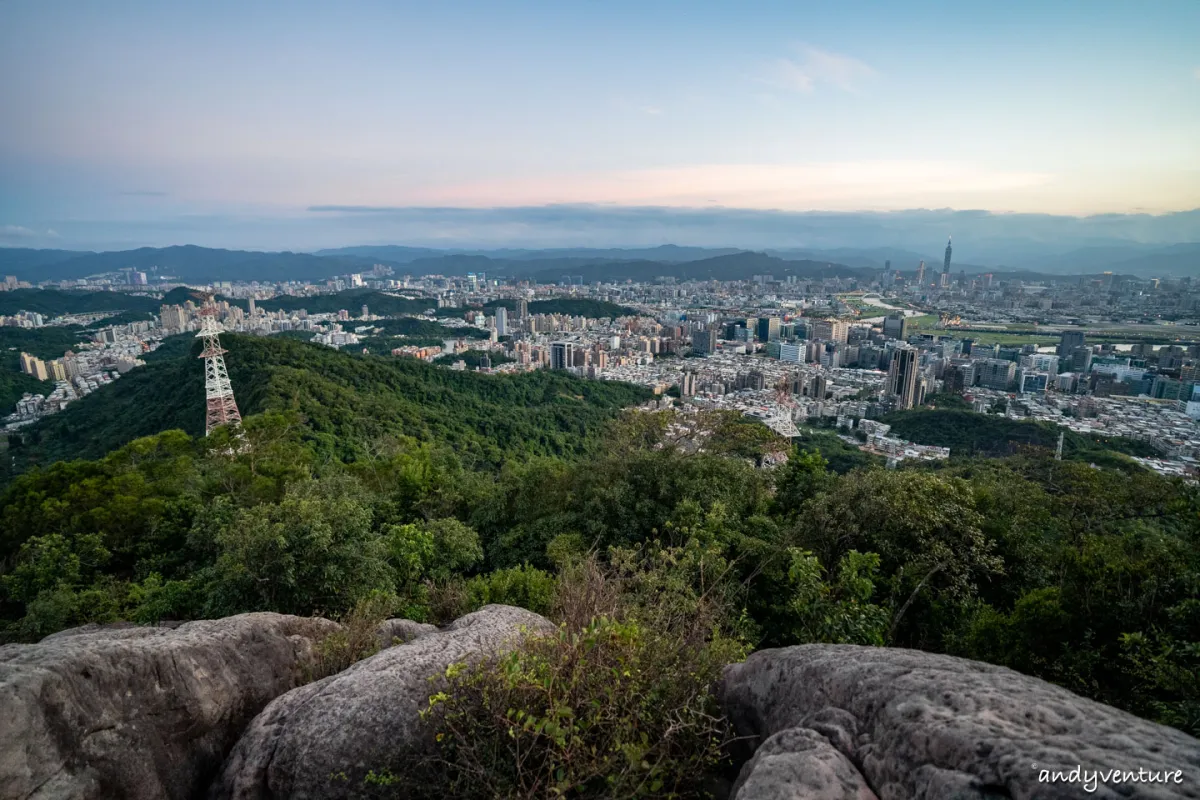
{"x":842,"y":721}
{"x":141,"y":712}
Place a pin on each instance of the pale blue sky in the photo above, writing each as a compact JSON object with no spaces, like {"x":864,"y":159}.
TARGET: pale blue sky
{"x":135,"y":121}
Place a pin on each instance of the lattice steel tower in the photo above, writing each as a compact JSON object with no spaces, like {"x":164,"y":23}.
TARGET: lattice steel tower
{"x":222,"y":408}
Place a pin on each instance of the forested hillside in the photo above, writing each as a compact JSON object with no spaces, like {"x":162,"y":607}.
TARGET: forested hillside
{"x":970,"y":434}
{"x":425,"y":492}
{"x":345,"y":399}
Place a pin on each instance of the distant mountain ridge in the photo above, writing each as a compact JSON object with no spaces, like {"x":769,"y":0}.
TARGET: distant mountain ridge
{"x":194,"y":264}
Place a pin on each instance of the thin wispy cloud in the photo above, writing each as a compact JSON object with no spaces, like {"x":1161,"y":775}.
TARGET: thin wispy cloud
{"x":19,"y":234}
{"x":816,"y":67}
{"x":653,"y":111}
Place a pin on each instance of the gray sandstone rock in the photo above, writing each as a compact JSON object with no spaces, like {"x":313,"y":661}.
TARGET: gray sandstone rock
{"x":920,"y":725}
{"x":320,"y":741}
{"x":141,"y":712}
{"x":800,"y":764}
{"x":399,"y":631}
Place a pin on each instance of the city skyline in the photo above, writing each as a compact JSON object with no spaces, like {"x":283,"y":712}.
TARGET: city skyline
{"x":144,"y":124}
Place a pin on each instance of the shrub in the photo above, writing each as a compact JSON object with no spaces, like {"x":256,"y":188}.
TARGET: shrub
{"x":524,"y":586}
{"x":613,"y":710}
{"x":358,"y":638}
{"x":617,"y":704}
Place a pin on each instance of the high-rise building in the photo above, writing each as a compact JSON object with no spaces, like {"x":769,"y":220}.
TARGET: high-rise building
{"x":946,"y":263}
{"x":562,"y":355}
{"x":768,"y":329}
{"x":704,"y":343}
{"x":501,"y":321}
{"x":831,"y":330}
{"x":997,"y":373}
{"x":687,"y":384}
{"x":1069,"y":341}
{"x":895,"y":326}
{"x":365,"y":314}
{"x":522,"y":308}
{"x":954,"y":380}
{"x":921,"y":274}
{"x":902,"y":377}
{"x":1081,"y":359}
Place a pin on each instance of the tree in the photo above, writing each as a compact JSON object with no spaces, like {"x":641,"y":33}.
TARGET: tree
{"x":315,"y":551}
{"x":924,"y":527}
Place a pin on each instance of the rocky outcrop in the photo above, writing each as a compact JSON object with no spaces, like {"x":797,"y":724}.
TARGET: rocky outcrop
{"x":398,"y":631}
{"x":321,"y":740}
{"x":913,"y":724}
{"x":141,"y":712}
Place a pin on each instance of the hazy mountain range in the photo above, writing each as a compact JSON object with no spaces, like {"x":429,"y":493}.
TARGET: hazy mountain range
{"x":195,"y":264}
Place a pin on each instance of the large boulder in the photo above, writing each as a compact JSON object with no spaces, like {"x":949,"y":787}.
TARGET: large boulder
{"x":141,"y":712}
{"x":321,"y":740}
{"x":920,"y":725}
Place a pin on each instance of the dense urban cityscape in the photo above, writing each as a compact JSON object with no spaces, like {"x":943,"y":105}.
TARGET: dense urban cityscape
{"x":1102,"y":355}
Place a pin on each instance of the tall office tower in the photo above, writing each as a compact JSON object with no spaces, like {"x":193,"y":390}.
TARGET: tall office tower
{"x":921,"y":274}
{"x":501,"y":321}
{"x":831,"y":330}
{"x":997,"y":373}
{"x":687,"y":384}
{"x":522,"y":308}
{"x":902,"y":377}
{"x":252,"y":307}
{"x":895,"y":326}
{"x":768,"y":329}
{"x":1081,"y":359}
{"x":1070,"y":340}
{"x":365,"y":312}
{"x":704,"y":343}
{"x":561,"y":355}
{"x":954,"y":380}
{"x":946,"y":264}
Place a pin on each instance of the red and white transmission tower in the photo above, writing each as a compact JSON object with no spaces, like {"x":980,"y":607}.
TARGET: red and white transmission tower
{"x":222,"y":408}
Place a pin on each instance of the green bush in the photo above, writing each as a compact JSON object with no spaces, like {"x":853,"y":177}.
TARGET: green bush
{"x":615,"y":710}
{"x":524,"y":586}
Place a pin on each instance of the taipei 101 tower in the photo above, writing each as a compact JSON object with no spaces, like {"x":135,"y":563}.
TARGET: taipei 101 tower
{"x":946,"y":264}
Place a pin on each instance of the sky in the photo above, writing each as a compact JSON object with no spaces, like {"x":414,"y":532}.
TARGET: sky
{"x":302,"y":124}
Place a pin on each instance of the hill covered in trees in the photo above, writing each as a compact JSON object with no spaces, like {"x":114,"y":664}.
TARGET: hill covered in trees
{"x":967,"y":433}
{"x":573,"y":306}
{"x":345,"y":400}
{"x":54,"y":302}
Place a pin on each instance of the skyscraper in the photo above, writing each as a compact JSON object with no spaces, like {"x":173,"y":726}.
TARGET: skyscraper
{"x":921,"y":274}
{"x":768,"y":329}
{"x":895,"y":326}
{"x":704,"y":343}
{"x":902,"y":377}
{"x":501,"y":321}
{"x":946,"y":265}
{"x":1070,"y":340}
{"x":562,"y":355}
